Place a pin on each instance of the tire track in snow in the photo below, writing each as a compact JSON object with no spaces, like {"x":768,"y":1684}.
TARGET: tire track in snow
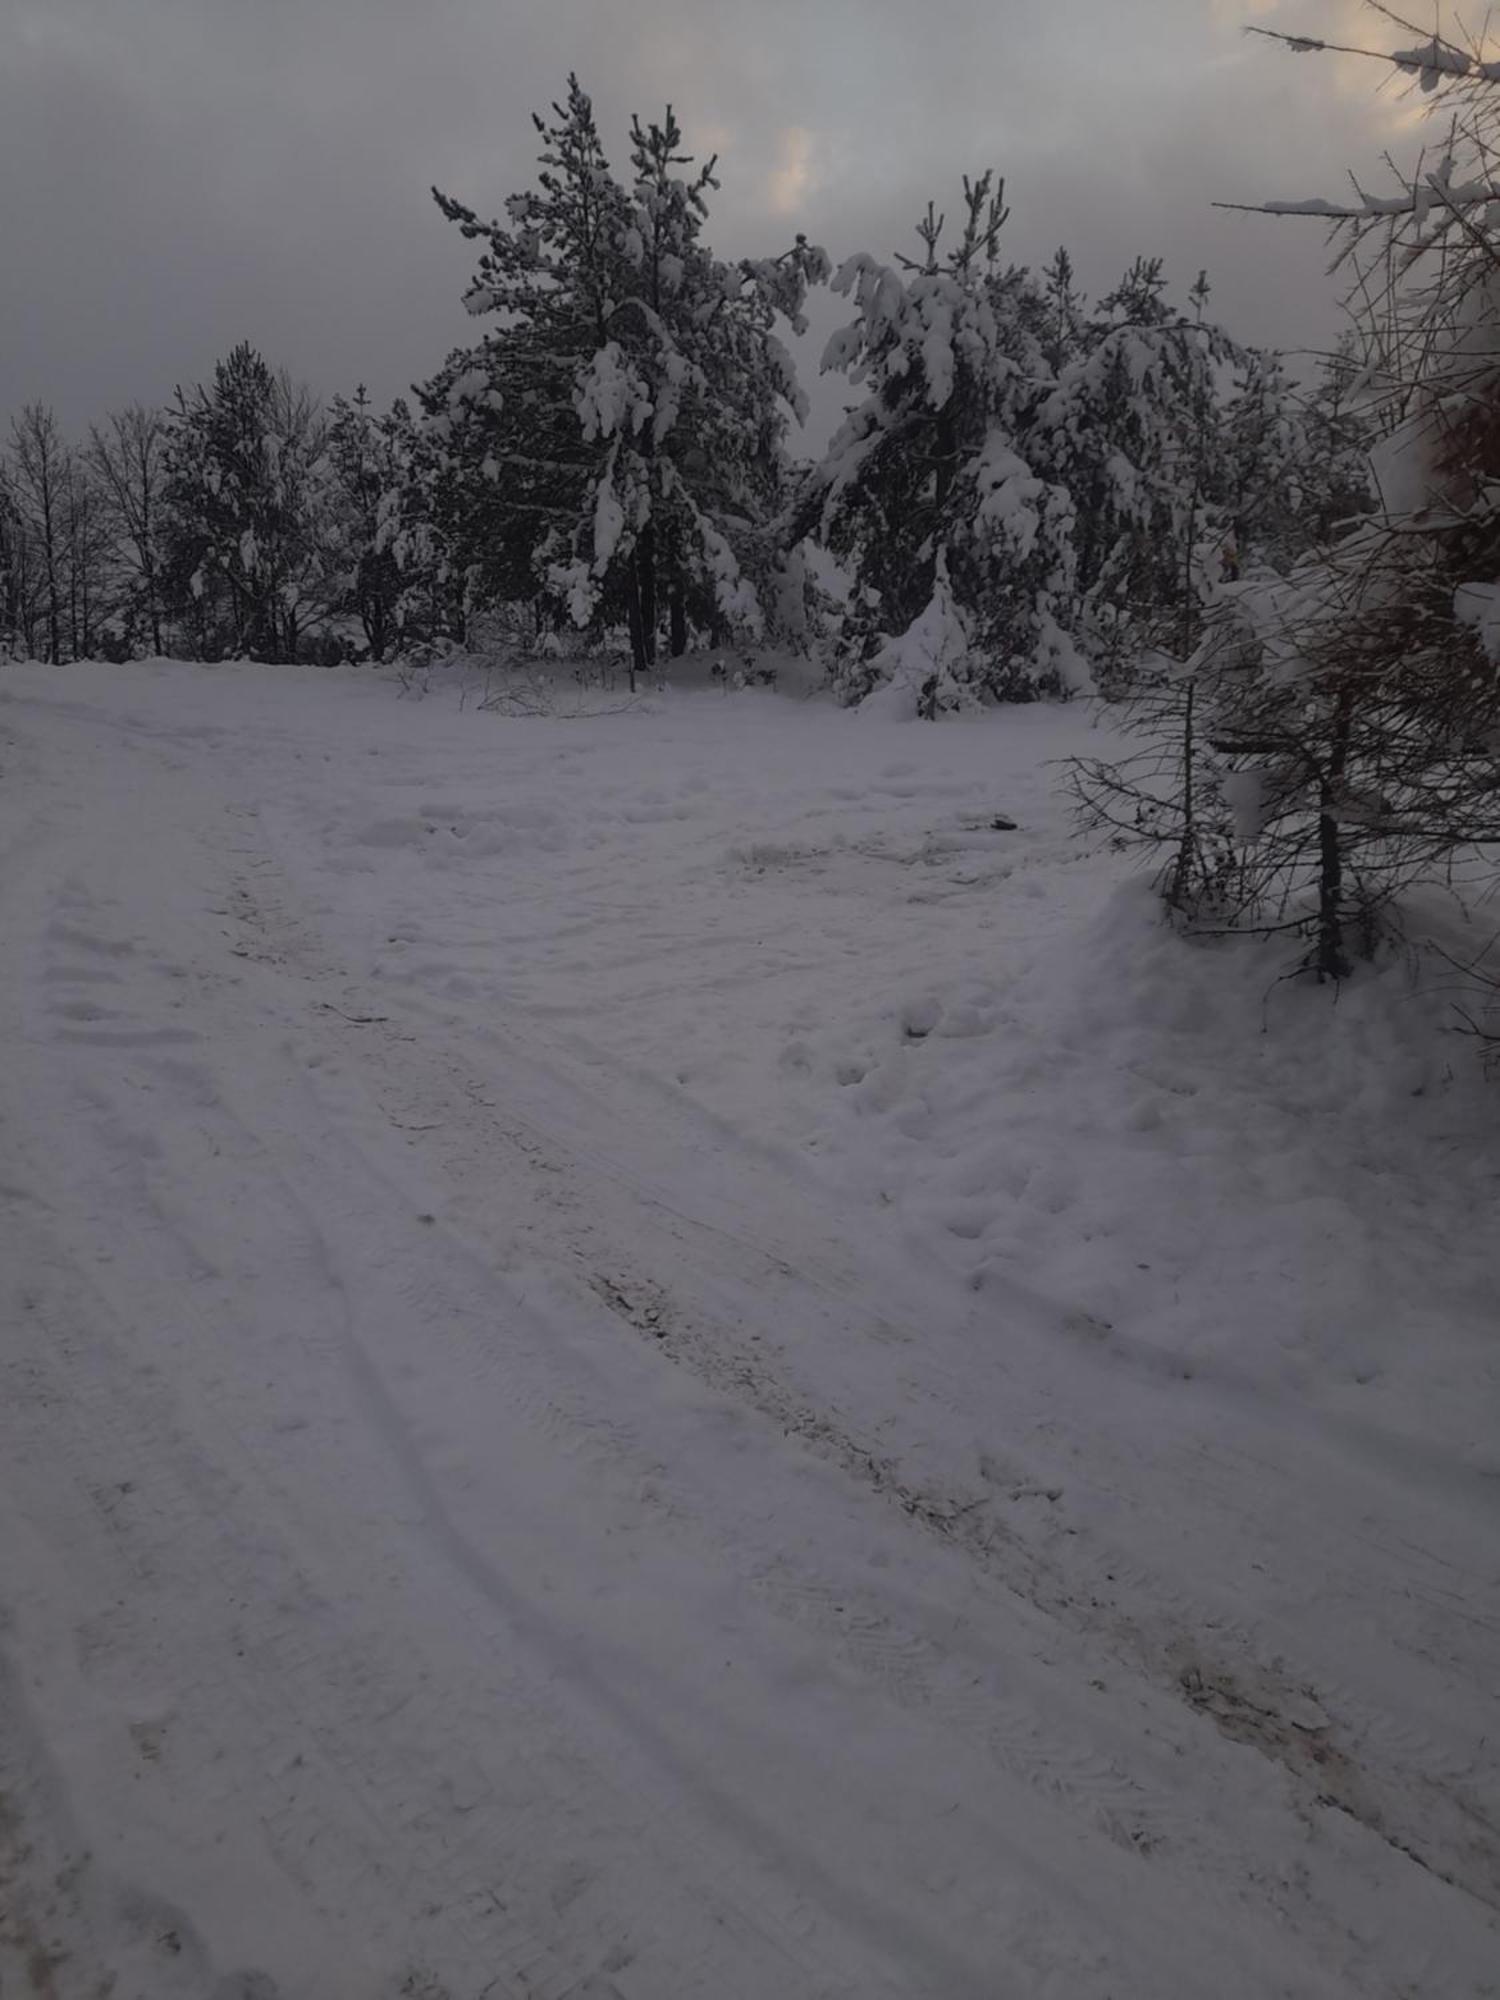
{"x":1093,"y":1589}
{"x":202,"y":1505}
{"x":280,"y":1656}
{"x":901,"y":1669}
{"x":1087,"y":1783}
{"x":298,"y":1693}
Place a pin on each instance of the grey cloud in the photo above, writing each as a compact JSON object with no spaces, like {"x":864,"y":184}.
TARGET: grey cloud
{"x":182,"y":174}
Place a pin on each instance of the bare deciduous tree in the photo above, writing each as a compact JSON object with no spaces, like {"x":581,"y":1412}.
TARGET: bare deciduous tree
{"x":126,"y":457}
{"x":37,"y":479}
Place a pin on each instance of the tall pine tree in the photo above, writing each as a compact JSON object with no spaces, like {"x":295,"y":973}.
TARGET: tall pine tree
{"x":615,"y":449}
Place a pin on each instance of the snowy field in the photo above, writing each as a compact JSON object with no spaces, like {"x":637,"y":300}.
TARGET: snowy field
{"x":641,"y":1359}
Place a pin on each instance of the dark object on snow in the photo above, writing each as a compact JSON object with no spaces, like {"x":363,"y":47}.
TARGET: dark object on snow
{"x":748,"y":675}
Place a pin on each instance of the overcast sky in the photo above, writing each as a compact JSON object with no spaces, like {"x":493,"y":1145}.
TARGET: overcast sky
{"x":180,"y":175}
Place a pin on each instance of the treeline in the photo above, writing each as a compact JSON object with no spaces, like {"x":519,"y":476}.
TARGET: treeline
{"x":245,"y":520}
{"x":1029,"y":489}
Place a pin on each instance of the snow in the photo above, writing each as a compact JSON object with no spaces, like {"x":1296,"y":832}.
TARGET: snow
{"x":925,"y":662}
{"x":1478,"y":606}
{"x":935,"y":310}
{"x":1010,"y":495}
{"x":1315,"y":206}
{"x":609,"y":520}
{"x":608,"y":397}
{"x":1433,"y":60}
{"x":677,"y":1351}
{"x":467,"y":387}
{"x":1245,"y":794}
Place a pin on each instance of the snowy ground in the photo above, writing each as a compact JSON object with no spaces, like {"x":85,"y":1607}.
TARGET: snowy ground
{"x":641,"y":1359}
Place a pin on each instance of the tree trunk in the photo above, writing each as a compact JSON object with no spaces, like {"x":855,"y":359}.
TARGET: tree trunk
{"x":148,"y":561}
{"x":637,"y":628}
{"x":1182,"y":871}
{"x":54,"y":596}
{"x":677,"y":610}
{"x":1332,"y":959}
{"x":645,"y":570}
{"x":1332,"y":964}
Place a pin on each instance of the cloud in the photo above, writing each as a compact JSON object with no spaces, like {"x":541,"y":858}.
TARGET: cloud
{"x":791,"y":180}
{"x":183,"y":174}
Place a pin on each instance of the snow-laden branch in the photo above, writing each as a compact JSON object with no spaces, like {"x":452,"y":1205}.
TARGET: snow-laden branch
{"x":1418,"y":199}
{"x":1431,"y":62}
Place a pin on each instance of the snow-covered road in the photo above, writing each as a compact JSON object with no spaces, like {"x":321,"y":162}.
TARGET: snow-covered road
{"x":538,"y":1459}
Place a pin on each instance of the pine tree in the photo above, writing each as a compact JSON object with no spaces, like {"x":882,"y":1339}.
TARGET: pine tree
{"x":1065,"y":319}
{"x":1336,"y":490}
{"x":1264,"y":450}
{"x":927,"y":492}
{"x":627,"y":418}
{"x":244,"y":556}
{"x":508,"y":466}
{"x":1359,"y":699}
{"x":1295,"y":462}
{"x":1132,"y":428}
{"x":1341,"y":718}
{"x":365,"y":468}
{"x":722,"y":389}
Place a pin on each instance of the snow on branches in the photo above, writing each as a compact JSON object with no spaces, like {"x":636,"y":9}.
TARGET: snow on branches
{"x":1335,"y":736}
{"x":1068,"y":473}
{"x":647,"y":378}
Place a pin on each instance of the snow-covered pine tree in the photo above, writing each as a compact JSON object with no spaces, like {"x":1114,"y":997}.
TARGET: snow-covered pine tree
{"x":429,"y":607}
{"x":1343,"y":718}
{"x":1132,"y":428}
{"x":1295,"y":460}
{"x":722,"y":387}
{"x":366,"y":469}
{"x":506,"y":466}
{"x":1263,"y":449}
{"x":245,"y":559}
{"x":640,"y":511}
{"x":497,"y":466}
{"x":628,"y":415}
{"x":1336,"y":488}
{"x":1065,"y":318}
{"x":927,"y":493}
